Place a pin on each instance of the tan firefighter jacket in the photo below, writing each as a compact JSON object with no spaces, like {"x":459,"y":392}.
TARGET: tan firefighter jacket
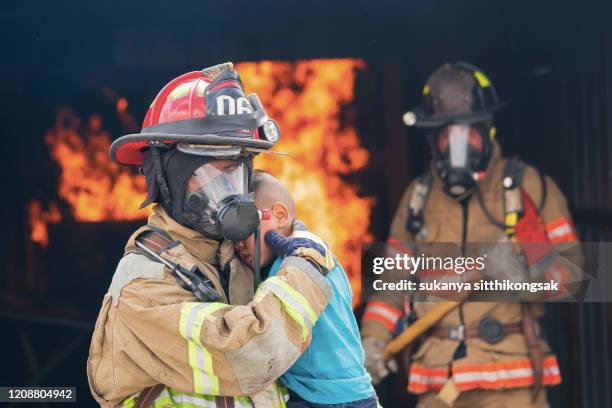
{"x":488,"y":366}
{"x":151,"y":331}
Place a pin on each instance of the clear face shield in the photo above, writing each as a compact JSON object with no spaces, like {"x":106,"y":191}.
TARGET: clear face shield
{"x":458,"y":150}
{"x":216,"y":181}
{"x":217,"y":200}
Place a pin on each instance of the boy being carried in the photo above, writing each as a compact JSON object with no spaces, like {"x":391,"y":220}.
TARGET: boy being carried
{"x":330,"y":373}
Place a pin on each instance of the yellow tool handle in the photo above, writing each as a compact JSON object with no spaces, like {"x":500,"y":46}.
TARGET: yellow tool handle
{"x":419,"y":327}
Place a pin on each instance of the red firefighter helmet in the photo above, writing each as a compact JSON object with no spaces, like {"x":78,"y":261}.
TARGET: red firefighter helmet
{"x":206,"y":113}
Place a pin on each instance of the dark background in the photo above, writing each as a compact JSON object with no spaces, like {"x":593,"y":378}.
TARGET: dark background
{"x":551,"y":58}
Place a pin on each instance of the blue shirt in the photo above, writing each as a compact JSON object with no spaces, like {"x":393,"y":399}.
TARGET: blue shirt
{"x":331,"y":370}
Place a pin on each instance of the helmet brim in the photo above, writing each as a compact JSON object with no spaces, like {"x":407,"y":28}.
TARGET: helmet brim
{"x":423,"y":120}
{"x":128,"y":149}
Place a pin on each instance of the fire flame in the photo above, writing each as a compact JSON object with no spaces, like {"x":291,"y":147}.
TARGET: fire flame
{"x":38,"y":218}
{"x":308,"y":99}
{"x":94,"y":187}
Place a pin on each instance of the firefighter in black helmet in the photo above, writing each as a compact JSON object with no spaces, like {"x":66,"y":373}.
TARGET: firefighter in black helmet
{"x":480,"y":354}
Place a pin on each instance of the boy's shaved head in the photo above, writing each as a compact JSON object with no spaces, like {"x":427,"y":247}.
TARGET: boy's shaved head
{"x":272,"y":195}
{"x":269,"y":190}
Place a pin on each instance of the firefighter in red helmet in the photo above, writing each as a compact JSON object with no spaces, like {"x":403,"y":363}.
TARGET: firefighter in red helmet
{"x":480,"y":354}
{"x":183,"y":322}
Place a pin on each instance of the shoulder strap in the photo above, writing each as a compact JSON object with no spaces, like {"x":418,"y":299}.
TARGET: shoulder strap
{"x":156,"y":240}
{"x":148,"y":396}
{"x":416,"y":204}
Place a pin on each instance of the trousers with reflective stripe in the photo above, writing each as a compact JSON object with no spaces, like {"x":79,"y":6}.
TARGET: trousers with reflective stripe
{"x":497,"y":375}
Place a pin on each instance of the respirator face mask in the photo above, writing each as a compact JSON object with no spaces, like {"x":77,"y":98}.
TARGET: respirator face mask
{"x":458,"y":151}
{"x":218,"y":203}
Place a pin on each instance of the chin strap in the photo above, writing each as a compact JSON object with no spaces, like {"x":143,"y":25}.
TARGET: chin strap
{"x":159,"y":176}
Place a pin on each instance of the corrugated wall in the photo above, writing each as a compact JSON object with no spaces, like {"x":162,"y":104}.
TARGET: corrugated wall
{"x":561,"y":121}
{"x":590,"y":181}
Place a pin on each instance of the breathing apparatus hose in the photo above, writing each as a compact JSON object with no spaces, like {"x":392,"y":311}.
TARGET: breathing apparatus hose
{"x":256,"y":259}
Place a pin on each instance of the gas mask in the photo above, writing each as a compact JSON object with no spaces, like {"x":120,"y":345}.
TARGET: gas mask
{"x":461,"y":152}
{"x":217,"y":201}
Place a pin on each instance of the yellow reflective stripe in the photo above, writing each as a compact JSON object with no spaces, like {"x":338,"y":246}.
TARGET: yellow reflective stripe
{"x":203,"y":357}
{"x":193,"y":315}
{"x":483,"y":81}
{"x":164,"y":402}
{"x":242,"y":402}
{"x":294,"y":304}
{"x":185,"y":311}
{"x":299,"y":319}
{"x":283,"y":394}
{"x":297,"y":296}
{"x":130,"y":401}
{"x":291,"y":311}
{"x":329,"y":260}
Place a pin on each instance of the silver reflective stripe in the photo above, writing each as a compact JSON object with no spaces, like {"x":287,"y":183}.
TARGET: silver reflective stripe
{"x":193,"y":400}
{"x":492,"y":376}
{"x":425,"y":379}
{"x":191,"y":318}
{"x":193,"y":315}
{"x":383,"y":312}
{"x":206,"y":382}
{"x":552,"y":370}
{"x":312,"y":272}
{"x":560,"y":230}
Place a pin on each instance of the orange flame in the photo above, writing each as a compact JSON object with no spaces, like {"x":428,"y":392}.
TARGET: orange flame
{"x":39,"y":218}
{"x":308,"y":99}
{"x":95,"y":188}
